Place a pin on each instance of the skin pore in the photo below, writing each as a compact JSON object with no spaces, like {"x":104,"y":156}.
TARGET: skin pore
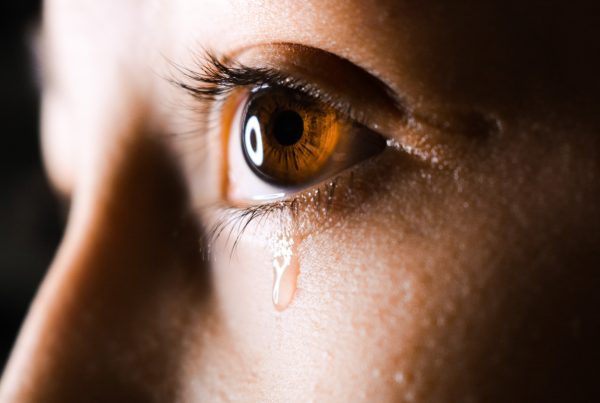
{"x":461,"y":265}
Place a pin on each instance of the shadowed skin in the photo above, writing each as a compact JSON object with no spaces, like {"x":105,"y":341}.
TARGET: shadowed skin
{"x":470,"y":279}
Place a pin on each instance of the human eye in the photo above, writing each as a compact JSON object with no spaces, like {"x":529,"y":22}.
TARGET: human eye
{"x":284,"y":131}
{"x":297,"y":138}
{"x":283,"y":141}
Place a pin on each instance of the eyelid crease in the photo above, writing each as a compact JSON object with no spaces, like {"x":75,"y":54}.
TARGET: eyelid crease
{"x":215,"y":78}
{"x":433,"y":133}
{"x":338,"y":82}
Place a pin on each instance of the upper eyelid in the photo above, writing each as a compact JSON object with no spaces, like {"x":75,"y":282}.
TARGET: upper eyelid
{"x":344,"y":86}
{"x":214,"y":79}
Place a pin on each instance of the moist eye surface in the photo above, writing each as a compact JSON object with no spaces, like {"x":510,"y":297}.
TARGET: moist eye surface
{"x":288,"y":139}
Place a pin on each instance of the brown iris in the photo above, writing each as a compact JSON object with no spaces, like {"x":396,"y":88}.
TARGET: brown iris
{"x":288,"y":140}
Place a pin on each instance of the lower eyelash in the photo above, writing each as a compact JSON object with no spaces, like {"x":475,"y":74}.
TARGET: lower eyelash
{"x":211,"y":83}
{"x":232,"y":222}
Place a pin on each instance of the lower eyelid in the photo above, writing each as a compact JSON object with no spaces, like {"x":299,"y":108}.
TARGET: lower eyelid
{"x":312,"y":210}
{"x":303,"y":212}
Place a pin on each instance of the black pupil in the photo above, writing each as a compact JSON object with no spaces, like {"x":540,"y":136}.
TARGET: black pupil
{"x":288,"y":128}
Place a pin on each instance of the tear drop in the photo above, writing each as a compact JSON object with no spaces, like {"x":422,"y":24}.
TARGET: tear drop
{"x":285,"y":272}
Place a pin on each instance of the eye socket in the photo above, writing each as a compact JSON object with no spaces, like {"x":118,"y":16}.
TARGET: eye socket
{"x":282,"y":141}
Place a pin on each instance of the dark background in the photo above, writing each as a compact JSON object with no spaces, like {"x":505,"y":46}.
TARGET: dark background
{"x":30,"y":223}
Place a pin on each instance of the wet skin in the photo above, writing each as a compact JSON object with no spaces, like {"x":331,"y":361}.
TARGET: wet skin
{"x":462,"y":266}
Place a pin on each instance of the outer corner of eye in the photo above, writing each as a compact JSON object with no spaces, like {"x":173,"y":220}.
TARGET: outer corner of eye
{"x":281,"y":141}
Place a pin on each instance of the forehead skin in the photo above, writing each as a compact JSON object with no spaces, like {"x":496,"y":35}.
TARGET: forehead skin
{"x":472,"y":285}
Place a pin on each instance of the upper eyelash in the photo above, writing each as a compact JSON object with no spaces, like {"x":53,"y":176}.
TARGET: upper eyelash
{"x":214,"y":78}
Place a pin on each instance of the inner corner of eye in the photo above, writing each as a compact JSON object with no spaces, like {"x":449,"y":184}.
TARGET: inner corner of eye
{"x":281,"y":144}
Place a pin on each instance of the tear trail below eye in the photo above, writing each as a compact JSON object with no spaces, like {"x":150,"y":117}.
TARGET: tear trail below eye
{"x":286,"y":269}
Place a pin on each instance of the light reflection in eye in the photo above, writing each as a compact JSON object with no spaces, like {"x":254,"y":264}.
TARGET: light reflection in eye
{"x":282,"y":141}
{"x":254,"y":144}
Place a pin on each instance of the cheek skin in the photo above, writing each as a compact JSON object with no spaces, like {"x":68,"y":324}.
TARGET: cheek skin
{"x":484,"y":294}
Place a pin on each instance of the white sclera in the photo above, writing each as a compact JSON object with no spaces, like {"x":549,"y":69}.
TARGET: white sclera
{"x":256,"y":155}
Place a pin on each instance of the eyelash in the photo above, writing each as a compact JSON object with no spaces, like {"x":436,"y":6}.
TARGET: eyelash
{"x":234,"y":221}
{"x":211,"y":83}
{"x":216,"y":78}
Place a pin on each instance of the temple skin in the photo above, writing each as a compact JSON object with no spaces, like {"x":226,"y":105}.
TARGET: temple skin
{"x":473,"y":283}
